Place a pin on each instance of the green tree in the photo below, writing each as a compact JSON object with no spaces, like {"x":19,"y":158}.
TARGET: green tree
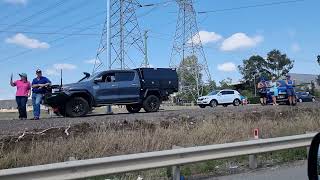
{"x":318,"y":80}
{"x":313,"y":88}
{"x":278,"y":64}
{"x":254,"y":67}
{"x":225,"y":83}
{"x":318,"y":59}
{"x":188,"y":79}
{"x":212,"y":85}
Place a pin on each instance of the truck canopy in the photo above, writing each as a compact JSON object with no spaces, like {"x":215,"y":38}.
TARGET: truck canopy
{"x":162,"y":78}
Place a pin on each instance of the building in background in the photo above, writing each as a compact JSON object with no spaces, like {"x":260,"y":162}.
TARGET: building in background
{"x":304,"y":80}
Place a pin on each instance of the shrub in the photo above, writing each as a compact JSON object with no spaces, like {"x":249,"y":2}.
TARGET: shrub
{"x":254,"y":100}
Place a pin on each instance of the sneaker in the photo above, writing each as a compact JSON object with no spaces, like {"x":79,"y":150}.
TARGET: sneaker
{"x":35,"y":118}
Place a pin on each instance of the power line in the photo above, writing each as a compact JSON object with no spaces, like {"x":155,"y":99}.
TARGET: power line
{"x":63,"y":12}
{"x":250,"y":6}
{"x":43,"y":11}
{"x":61,"y":38}
{"x":30,"y":25}
{"x":50,"y":42}
{"x":52,"y":33}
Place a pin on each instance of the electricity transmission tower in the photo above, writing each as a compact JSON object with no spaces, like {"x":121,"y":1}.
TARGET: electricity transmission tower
{"x":121,"y":40}
{"x":187,"y":52}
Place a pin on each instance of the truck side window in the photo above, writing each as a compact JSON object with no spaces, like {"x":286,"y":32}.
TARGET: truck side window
{"x":106,"y":78}
{"x":125,"y":76}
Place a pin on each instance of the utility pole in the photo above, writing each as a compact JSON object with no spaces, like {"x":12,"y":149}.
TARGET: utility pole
{"x":146,"y":61}
{"x":109,"y":107}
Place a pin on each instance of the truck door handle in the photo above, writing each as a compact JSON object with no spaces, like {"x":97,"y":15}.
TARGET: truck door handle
{"x":113,"y":85}
{"x":134,"y":84}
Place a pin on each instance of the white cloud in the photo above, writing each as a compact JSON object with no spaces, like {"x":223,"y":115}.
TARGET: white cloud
{"x":93,"y":61}
{"x":23,"y":2}
{"x":227,"y":67}
{"x":53,"y":72}
{"x":240,"y":41}
{"x":64,"y":66}
{"x":295,"y":47}
{"x":205,"y":37}
{"x":25,"y":41}
{"x":55,"y":69}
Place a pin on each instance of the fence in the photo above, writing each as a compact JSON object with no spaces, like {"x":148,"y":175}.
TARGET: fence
{"x":151,"y":160}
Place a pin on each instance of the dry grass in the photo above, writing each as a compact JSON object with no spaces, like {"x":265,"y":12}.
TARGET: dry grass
{"x":139,"y":136}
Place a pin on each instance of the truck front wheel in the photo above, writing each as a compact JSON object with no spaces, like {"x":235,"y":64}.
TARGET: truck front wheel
{"x":133,"y":108}
{"x":77,"y":107}
{"x":151,"y":104}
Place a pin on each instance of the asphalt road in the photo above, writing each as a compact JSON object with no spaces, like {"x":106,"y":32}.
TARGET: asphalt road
{"x":294,"y":171}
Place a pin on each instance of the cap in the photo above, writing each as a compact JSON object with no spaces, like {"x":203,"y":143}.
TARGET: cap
{"x":23,"y":75}
{"x":38,"y":71}
{"x":288,"y":75}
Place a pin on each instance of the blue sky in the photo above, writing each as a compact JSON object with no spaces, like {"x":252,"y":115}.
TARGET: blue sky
{"x":228,"y":36}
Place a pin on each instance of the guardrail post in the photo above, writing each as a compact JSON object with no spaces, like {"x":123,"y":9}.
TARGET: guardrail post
{"x":253,"y":163}
{"x":176,"y":173}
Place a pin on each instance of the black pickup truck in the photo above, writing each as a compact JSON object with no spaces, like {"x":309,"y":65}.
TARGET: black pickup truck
{"x":137,"y":88}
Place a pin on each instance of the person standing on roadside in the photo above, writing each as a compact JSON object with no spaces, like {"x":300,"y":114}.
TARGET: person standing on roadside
{"x":274,"y":90}
{"x":262,"y":87}
{"x":22,"y":94}
{"x":290,"y":90}
{"x":39,"y":88}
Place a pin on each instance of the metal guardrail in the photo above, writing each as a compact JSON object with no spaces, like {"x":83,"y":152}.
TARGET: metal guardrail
{"x":151,"y":160}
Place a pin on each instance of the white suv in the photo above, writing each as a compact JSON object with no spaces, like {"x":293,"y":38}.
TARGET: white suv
{"x":223,"y":97}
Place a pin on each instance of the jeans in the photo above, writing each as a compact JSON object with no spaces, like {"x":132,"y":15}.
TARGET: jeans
{"x":22,"y":106}
{"x":36,"y":101}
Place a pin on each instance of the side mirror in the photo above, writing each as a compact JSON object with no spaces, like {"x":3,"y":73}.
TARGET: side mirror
{"x":314,"y":158}
{"x":219,"y":94}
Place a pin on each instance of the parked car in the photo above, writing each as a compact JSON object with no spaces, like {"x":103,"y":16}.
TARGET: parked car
{"x":220,"y":97}
{"x":282,"y":93}
{"x":137,"y":88}
{"x":305,"y":97}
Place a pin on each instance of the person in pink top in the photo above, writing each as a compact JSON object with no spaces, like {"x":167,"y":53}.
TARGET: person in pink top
{"x":22,"y":94}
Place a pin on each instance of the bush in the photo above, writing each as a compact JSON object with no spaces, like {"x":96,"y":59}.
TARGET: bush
{"x":247,"y":93}
{"x":254,"y":100}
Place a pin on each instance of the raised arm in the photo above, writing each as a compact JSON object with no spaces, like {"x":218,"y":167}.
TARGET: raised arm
{"x":11,"y":81}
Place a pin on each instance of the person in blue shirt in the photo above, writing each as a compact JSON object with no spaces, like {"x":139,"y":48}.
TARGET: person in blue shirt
{"x":290,"y":90}
{"x":39,"y":88}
